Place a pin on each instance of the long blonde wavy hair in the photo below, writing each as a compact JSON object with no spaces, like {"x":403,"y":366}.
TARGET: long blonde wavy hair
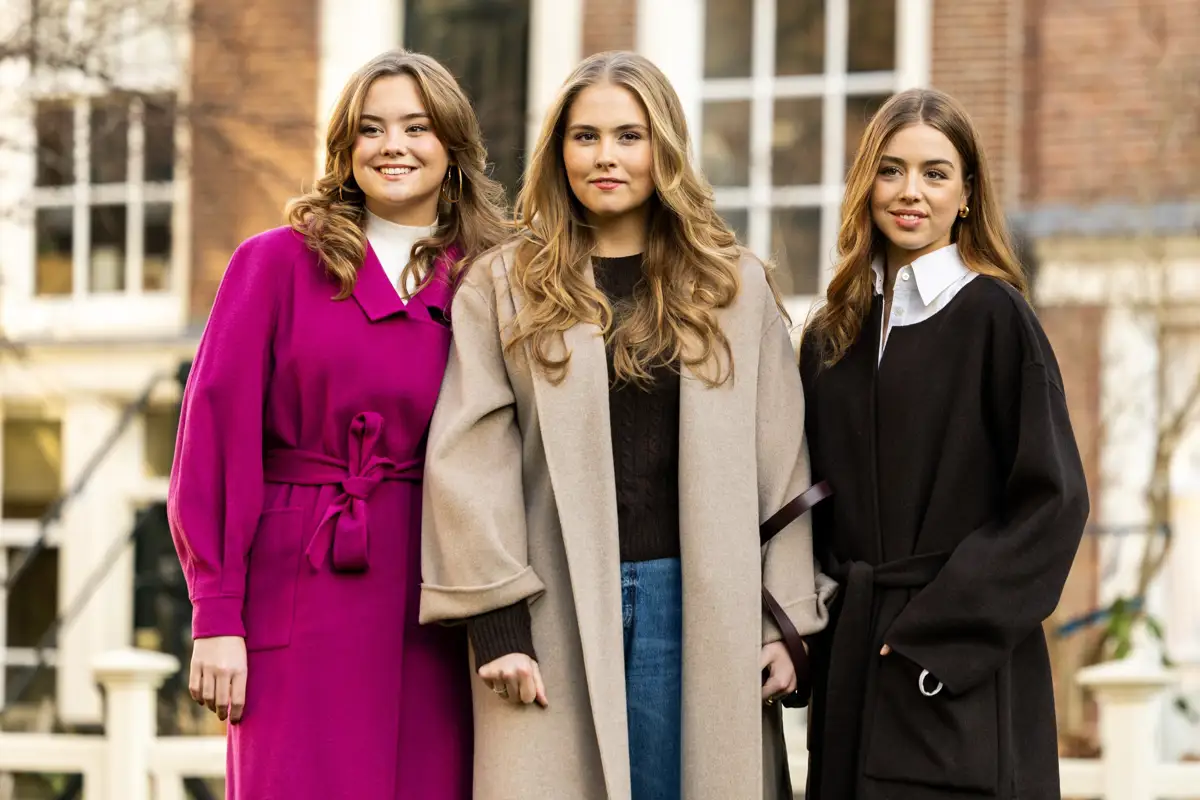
{"x":982,"y":237}
{"x":331,"y":216}
{"x":692,"y":258}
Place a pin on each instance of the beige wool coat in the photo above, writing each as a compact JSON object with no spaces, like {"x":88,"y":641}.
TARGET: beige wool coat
{"x":520,"y":505}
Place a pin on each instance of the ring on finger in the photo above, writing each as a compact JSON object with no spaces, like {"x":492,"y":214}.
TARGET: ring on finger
{"x":500,"y":689}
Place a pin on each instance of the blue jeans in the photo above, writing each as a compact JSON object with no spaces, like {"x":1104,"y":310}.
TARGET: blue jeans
{"x":652,"y":613}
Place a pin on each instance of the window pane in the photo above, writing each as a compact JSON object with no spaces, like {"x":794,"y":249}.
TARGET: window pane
{"x":54,"y":230}
{"x":739,"y":220}
{"x":726,"y":143}
{"x":156,"y":260}
{"x":55,"y":144}
{"x":486,"y":46}
{"x":159,"y":124}
{"x":33,"y":600}
{"x":107,"y":261}
{"x":859,"y":111}
{"x":796,"y":245}
{"x":872,"y":35}
{"x":728,"y":31}
{"x":110,"y":140}
{"x":800,"y":37}
{"x":32,"y":467}
{"x":796,"y":143}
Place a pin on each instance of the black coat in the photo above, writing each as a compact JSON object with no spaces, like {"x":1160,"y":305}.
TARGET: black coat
{"x":959,"y":504}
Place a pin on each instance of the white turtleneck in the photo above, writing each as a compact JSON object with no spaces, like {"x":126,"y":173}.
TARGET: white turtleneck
{"x":393,"y":246}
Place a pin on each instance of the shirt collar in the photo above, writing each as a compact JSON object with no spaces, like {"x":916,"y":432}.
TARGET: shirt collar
{"x":934,"y":272}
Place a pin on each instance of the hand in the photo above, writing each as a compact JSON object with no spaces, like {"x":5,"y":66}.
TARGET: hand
{"x":781,"y":679}
{"x":516,"y":678}
{"x":885,"y":650}
{"x":218,"y":676}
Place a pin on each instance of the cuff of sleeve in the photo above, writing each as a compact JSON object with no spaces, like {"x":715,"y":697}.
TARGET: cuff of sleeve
{"x":454,"y":603}
{"x":501,"y":632}
{"x":808,"y":614}
{"x":217,"y":616}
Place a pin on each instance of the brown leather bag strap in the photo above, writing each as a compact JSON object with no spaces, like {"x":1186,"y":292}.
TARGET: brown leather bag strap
{"x":793,"y":510}
{"x":791,"y":640}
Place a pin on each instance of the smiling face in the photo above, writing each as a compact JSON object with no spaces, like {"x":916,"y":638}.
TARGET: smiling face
{"x":398,"y":160}
{"x":607,"y":152}
{"x":917,"y":193}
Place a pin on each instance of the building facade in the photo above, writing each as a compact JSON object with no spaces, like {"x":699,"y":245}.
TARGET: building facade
{"x":129,"y":191}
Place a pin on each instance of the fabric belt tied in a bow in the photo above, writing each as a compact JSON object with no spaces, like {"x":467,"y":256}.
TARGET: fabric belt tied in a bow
{"x":850,"y":656}
{"x":344,"y":524}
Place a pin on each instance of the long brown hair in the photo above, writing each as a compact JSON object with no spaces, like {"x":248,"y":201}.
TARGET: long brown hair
{"x":982,"y":237}
{"x":692,"y":259}
{"x":331,"y":216}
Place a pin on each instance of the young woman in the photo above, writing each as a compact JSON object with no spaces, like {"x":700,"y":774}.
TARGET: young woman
{"x":621,"y":411}
{"x":295,"y":497}
{"x":936,"y":411}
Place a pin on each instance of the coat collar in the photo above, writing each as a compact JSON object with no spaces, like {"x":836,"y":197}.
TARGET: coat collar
{"x":934,"y":272}
{"x":380,"y":300}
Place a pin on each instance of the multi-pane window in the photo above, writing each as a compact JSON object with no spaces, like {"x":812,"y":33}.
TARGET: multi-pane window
{"x":103,"y":194}
{"x":789,"y":86}
{"x":32,"y":469}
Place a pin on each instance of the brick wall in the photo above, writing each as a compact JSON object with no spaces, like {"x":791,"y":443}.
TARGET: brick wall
{"x":253,"y":119}
{"x":1078,"y":101}
{"x":1114,"y":76}
{"x":976,"y":58}
{"x":609,"y":25}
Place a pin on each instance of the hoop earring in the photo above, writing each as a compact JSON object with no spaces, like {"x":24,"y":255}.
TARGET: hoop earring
{"x":962,"y":212}
{"x":446,"y":185}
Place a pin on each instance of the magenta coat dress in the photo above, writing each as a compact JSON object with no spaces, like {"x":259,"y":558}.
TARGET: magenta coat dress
{"x":295,"y":505}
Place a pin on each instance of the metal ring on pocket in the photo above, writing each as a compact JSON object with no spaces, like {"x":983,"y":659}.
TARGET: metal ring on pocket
{"x":921,"y":684}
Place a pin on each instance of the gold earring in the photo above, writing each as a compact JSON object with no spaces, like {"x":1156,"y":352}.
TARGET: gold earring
{"x":446,"y":185}
{"x":962,"y":212}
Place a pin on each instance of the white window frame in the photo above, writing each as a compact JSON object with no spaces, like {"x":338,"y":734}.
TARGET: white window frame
{"x":135,"y":193}
{"x":149,"y":58}
{"x":20,"y":534}
{"x":682,"y":58}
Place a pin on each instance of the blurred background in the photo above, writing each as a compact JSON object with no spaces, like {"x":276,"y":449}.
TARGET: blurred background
{"x":141,"y":140}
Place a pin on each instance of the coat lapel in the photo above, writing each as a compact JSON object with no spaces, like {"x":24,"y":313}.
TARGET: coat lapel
{"x":847,"y":392}
{"x":373,"y":291}
{"x":436,"y":296}
{"x":576,"y":434}
{"x":714,"y":539}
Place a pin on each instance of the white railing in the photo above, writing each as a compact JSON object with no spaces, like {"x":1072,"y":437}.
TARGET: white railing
{"x":131,"y":762}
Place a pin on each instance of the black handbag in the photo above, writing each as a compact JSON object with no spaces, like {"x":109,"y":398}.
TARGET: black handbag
{"x":792,"y":639}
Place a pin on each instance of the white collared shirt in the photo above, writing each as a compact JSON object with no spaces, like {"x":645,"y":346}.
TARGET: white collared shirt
{"x":922,"y":288}
{"x":393,"y":245}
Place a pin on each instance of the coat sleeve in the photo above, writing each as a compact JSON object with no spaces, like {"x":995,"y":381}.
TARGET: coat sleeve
{"x":790,"y":572}
{"x":215,"y":492}
{"x":474,"y":542}
{"x":1005,"y":578}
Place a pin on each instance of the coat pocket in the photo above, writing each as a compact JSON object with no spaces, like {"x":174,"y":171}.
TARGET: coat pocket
{"x":945,"y":741}
{"x":271,"y":578}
